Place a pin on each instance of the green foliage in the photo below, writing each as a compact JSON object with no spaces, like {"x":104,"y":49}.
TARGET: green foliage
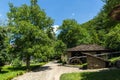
{"x":16,"y":63}
{"x":33,"y":41}
{"x":84,"y":66}
{"x":113,"y":60}
{"x":102,"y":24}
{"x":73,"y":34}
{"x":113,"y":38}
{"x":110,"y":4}
{"x":60,"y":47}
{"x":92,"y":75}
{"x":33,"y":14}
{"x":3,"y":55}
{"x":92,"y":31}
{"x":31,"y":29}
{"x":3,"y":58}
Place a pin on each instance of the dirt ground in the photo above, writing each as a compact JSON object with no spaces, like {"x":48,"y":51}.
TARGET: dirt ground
{"x":50,"y":71}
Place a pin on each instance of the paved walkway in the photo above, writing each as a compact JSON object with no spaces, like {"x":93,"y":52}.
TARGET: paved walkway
{"x":50,"y":71}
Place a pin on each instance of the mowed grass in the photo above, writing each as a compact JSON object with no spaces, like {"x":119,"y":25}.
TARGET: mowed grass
{"x":8,"y":72}
{"x":102,"y":75}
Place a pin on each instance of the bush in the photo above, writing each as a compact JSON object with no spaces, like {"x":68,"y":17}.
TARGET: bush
{"x":2,"y":62}
{"x":3,"y":58}
{"x":16,"y":63}
{"x":114,"y":60}
{"x":84,"y":66}
{"x":10,"y":78}
{"x":21,"y":73}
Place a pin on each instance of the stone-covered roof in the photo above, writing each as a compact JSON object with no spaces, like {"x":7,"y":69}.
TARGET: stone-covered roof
{"x":90,"y":47}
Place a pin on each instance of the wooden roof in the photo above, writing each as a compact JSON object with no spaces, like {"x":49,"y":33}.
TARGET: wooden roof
{"x":85,"y":48}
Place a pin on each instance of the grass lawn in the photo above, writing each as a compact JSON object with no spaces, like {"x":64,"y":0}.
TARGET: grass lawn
{"x":102,"y":75}
{"x":8,"y":72}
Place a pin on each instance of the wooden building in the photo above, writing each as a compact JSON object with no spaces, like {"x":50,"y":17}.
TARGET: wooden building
{"x":83,"y":53}
{"x":94,"y":62}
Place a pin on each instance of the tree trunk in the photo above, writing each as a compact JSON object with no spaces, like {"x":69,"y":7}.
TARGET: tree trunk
{"x":28,"y":62}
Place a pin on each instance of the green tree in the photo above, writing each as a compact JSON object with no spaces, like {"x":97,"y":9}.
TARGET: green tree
{"x":33,"y":14}
{"x":73,"y":34}
{"x":110,"y":4}
{"x":102,"y":23}
{"x":103,"y":19}
{"x":60,"y":47}
{"x":3,"y":55}
{"x":90,"y":26}
{"x":29,"y":25}
{"x":113,"y":38}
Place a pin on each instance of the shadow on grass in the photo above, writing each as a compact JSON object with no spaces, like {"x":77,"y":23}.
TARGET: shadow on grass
{"x":32,"y":67}
{"x":17,"y":68}
{"x":2,"y":72}
{"x":102,"y":75}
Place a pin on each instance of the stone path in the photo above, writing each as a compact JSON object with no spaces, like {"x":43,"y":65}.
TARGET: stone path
{"x":50,"y":71}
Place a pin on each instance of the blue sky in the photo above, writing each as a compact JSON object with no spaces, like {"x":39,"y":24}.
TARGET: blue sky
{"x":80,"y":10}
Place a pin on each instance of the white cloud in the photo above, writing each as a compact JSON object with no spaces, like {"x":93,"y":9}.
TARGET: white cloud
{"x":0,"y":15}
{"x":73,"y":14}
{"x":55,"y":28}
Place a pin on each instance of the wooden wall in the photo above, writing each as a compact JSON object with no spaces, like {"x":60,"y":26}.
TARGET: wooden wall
{"x":95,"y":62}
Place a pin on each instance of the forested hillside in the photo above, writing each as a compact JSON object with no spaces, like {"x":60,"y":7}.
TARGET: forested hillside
{"x":102,"y":29}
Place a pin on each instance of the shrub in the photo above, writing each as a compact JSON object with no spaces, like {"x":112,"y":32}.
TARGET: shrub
{"x":114,"y":60}
{"x":16,"y":63}
{"x":83,"y":66}
{"x":2,"y":62}
{"x":10,"y":78}
{"x":3,"y":58}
